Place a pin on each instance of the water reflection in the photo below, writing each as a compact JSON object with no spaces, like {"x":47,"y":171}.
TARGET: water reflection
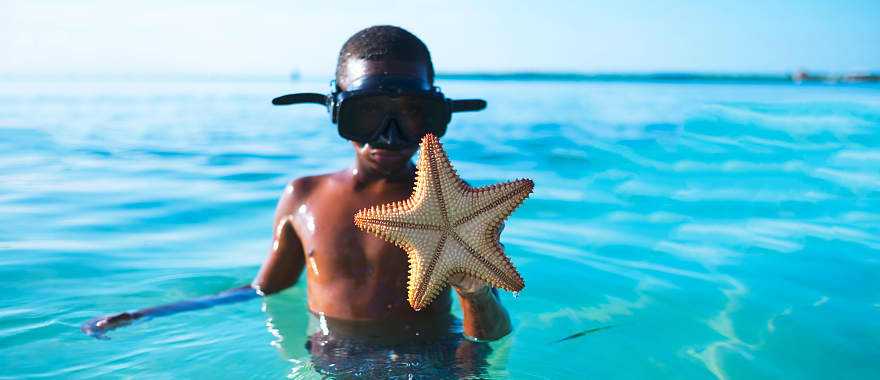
{"x":321,"y":346}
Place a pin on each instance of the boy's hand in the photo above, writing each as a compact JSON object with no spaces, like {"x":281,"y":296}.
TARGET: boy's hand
{"x":99,"y":326}
{"x":468,"y":286}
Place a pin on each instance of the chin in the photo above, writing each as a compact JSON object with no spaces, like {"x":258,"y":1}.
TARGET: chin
{"x":389,"y":166}
{"x":383,"y":160}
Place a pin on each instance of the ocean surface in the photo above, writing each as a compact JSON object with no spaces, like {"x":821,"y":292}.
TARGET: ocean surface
{"x":685,"y":230}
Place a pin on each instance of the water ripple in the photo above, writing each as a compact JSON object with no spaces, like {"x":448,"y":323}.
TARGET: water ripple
{"x":715,"y":226}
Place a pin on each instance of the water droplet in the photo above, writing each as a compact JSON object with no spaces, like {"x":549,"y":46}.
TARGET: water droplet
{"x":314,"y":265}
{"x":310,"y":223}
{"x":322,"y":322}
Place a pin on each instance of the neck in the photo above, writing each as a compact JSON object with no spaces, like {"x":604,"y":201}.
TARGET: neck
{"x":365,"y":174}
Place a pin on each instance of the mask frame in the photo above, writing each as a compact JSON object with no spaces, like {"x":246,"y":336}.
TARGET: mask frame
{"x":344,"y":110}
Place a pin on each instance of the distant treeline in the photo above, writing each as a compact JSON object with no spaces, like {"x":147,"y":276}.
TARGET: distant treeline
{"x":796,"y":77}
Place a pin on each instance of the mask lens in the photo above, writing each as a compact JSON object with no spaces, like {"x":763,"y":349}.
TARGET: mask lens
{"x":420,"y":115}
{"x":361,"y":118}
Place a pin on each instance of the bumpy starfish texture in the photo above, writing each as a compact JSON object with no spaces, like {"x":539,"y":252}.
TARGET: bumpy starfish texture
{"x":448,"y":227}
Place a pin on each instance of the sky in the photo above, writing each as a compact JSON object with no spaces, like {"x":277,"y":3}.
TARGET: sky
{"x":220,"y":37}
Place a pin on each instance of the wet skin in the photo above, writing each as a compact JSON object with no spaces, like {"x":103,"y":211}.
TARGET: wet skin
{"x":351,"y":275}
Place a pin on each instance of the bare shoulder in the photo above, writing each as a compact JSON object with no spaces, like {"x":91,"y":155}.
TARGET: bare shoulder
{"x":298,"y":191}
{"x":300,"y":188}
{"x":303,"y":187}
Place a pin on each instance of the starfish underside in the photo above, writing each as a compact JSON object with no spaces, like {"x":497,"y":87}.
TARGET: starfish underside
{"x":448,"y":227}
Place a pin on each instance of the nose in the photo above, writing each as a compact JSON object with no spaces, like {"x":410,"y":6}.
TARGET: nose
{"x":391,"y":136}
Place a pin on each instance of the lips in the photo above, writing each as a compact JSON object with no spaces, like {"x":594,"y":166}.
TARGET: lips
{"x":387,"y":155}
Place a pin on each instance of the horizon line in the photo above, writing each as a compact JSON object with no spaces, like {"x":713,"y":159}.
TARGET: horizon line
{"x":798,"y":76}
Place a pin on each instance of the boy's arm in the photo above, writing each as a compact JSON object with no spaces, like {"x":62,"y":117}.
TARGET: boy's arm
{"x":99,"y":326}
{"x":285,"y":263}
{"x":286,"y":257}
{"x":484,"y":316}
{"x":280,"y":271}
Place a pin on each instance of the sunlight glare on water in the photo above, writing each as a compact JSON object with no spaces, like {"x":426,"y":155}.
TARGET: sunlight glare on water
{"x":720,"y":231}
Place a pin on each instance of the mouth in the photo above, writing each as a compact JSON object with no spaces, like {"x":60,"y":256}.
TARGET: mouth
{"x":376,"y":152}
{"x":386,"y":156}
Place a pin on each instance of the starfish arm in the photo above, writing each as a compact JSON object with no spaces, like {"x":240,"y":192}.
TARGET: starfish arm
{"x":447,"y":257}
{"x":452,"y":255}
{"x":498,"y":200}
{"x":488,"y":263}
{"x":428,"y":272}
{"x":436,"y":179}
{"x":390,"y":221}
{"x":477,"y":232}
{"x":444,"y":179}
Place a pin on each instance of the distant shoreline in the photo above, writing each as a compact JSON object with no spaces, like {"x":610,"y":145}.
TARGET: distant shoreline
{"x":799,"y":77}
{"x":796,"y":77}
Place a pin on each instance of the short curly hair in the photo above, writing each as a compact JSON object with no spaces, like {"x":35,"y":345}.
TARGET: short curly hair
{"x":382,"y":42}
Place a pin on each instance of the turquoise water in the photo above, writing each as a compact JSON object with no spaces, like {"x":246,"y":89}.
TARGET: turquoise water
{"x":720,"y":231}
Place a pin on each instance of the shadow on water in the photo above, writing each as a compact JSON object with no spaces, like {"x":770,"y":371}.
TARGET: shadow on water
{"x":581,"y":334}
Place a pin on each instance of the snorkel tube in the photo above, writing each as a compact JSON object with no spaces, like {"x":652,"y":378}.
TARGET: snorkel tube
{"x":301,"y":98}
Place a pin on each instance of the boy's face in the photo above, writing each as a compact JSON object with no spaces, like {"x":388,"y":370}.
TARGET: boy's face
{"x":381,"y":160}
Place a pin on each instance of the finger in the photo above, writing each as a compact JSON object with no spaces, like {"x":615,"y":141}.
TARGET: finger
{"x":470,"y":284}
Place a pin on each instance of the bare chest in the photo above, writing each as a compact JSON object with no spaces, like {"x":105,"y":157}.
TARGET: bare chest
{"x":336,"y":249}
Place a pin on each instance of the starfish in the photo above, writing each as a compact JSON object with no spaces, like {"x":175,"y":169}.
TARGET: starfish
{"x":448,"y":227}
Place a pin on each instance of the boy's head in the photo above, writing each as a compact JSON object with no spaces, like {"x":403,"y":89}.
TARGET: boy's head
{"x":385,"y":99}
{"x":382,"y":44}
{"x":384,"y":51}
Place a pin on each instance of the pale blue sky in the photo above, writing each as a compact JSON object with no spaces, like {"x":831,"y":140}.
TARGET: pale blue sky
{"x":275,"y":37}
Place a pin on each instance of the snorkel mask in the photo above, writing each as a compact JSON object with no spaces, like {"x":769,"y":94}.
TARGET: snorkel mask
{"x":387,"y":111}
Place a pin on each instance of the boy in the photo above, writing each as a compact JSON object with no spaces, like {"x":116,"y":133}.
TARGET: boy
{"x":355,"y":278}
